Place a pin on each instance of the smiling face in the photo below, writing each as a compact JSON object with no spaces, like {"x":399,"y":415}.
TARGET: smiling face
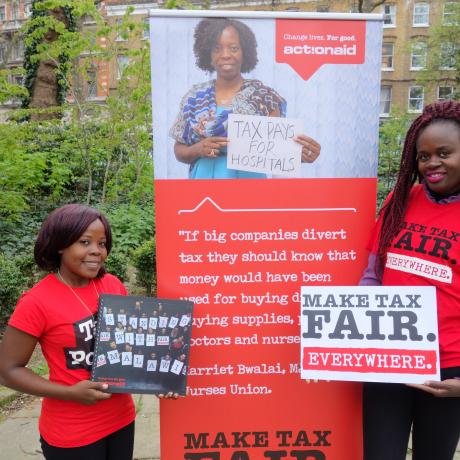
{"x":227,"y":55}
{"x":82,"y":260}
{"x":438,"y":157}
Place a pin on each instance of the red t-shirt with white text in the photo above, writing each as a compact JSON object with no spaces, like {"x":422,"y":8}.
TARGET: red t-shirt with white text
{"x":426,"y":252}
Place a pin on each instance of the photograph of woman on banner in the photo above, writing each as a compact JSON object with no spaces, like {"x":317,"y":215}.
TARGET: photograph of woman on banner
{"x":79,"y":419}
{"x":229,"y":48}
{"x":419,"y":227}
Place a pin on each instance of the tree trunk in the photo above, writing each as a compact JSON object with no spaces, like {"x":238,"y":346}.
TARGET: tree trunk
{"x":45,"y":89}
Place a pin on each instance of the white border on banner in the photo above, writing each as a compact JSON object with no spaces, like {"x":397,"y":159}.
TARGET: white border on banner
{"x":266,"y":14}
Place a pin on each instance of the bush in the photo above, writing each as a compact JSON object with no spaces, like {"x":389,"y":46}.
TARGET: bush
{"x":144,"y":260}
{"x":117,"y":265}
{"x":131,"y":226}
{"x":12,"y":283}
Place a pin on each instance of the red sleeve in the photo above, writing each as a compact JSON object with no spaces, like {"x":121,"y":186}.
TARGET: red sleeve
{"x":29,"y":316}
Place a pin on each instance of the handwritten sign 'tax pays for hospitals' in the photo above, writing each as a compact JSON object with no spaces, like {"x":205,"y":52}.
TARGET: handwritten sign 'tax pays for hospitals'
{"x":264,"y":144}
{"x":369,"y":333}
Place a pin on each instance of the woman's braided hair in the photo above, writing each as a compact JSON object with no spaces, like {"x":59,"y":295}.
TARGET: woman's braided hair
{"x":394,"y":210}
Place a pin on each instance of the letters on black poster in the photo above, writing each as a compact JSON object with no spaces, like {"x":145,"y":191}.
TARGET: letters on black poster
{"x":142,"y":344}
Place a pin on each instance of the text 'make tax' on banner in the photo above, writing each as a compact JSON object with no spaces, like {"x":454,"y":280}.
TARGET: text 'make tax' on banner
{"x":240,"y":242}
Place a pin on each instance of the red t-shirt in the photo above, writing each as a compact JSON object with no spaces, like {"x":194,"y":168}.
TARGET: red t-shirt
{"x":426,"y":252}
{"x":51,"y":312}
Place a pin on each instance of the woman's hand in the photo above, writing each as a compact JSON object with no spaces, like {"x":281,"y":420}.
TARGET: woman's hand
{"x":169,"y":395}
{"x":208,"y":147}
{"x":310,"y":148}
{"x":86,"y":392}
{"x":449,"y":388}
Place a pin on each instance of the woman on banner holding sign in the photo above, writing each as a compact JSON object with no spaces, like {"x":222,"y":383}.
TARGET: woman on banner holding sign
{"x":229,"y":48}
{"x":420,"y":224}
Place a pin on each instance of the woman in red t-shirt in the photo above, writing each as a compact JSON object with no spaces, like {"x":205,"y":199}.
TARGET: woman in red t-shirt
{"x":421,"y":224}
{"x":79,"y":419}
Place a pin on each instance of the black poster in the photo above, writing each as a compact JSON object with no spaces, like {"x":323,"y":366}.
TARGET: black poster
{"x":142,"y":344}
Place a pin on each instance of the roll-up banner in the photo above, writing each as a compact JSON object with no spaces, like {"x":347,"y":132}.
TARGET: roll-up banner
{"x":265,"y":131}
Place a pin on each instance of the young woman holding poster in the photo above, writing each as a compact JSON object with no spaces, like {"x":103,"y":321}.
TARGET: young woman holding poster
{"x":420,"y":223}
{"x":78,"y":418}
{"x":229,"y":48}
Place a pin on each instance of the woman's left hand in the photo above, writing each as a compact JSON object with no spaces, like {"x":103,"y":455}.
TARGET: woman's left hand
{"x":449,"y":388}
{"x":169,"y":395}
{"x":310,"y":148}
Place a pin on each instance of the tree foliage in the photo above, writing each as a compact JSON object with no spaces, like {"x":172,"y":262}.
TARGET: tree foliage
{"x":97,"y":153}
{"x":391,"y":139}
{"x":443,"y":51}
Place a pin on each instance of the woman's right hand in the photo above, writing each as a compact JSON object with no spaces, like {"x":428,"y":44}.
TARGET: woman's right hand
{"x":87,"y":392}
{"x":209,"y":146}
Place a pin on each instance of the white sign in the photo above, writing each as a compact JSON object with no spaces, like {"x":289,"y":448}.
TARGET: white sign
{"x":119,"y":337}
{"x":122,"y":319}
{"x":113,"y":356}
{"x":264,"y":144}
{"x":109,"y":319}
{"x":126,"y":358}
{"x":369,"y":333}
{"x":152,"y":365}
{"x":138,"y":361}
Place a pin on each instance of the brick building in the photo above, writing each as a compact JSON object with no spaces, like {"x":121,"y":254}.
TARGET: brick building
{"x":406,"y":27}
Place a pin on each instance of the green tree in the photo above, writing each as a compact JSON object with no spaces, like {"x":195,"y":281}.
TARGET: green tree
{"x":99,"y":154}
{"x":443,"y":51}
{"x":391,"y":139}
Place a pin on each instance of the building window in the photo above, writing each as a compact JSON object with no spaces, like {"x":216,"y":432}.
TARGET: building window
{"x":120,"y":31}
{"x":385,"y":101}
{"x":421,"y":17}
{"x":387,"y":56}
{"x":2,"y":53}
{"x":354,"y":8}
{"x":447,"y":56}
{"x":2,"y":13}
{"x":28,"y":10}
{"x":88,"y":19}
{"x":146,"y":34}
{"x":17,"y":80}
{"x":17,"y":51}
{"x":449,"y":13}
{"x":92,"y":83}
{"x":122,"y":62}
{"x":418,"y":56}
{"x":416,"y":96}
{"x":389,"y":15}
{"x":445,"y":92}
{"x":15,"y":11}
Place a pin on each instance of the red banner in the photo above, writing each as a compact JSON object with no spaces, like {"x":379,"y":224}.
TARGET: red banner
{"x":241,"y":249}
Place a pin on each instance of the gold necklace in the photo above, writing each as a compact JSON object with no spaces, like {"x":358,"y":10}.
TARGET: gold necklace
{"x":77,"y":296}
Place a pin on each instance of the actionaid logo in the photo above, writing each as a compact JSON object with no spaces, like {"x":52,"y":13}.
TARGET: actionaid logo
{"x":306,"y":45}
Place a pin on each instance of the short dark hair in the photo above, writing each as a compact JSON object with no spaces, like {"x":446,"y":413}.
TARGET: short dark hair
{"x":208,"y":32}
{"x":61,"y":229}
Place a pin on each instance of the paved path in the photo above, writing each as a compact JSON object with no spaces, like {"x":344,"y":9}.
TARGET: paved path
{"x":19,"y":432}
